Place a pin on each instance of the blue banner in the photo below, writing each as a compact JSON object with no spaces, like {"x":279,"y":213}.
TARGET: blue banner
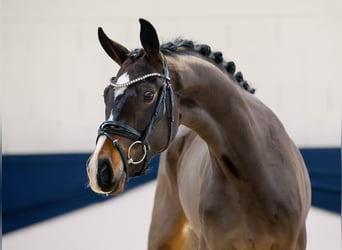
{"x":38,"y":187}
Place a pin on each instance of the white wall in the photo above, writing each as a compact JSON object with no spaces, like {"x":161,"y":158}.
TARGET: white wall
{"x":53,"y":70}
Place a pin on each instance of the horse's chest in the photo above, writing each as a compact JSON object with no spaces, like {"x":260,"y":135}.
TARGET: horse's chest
{"x":194,"y":162}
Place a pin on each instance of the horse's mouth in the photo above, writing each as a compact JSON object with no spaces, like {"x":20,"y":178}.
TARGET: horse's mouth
{"x":103,"y":183}
{"x":120,"y":185}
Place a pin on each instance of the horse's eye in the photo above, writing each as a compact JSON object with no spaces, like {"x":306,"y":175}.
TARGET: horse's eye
{"x":148,"y":96}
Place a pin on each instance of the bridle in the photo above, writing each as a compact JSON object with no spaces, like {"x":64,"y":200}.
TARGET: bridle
{"x":110,"y":128}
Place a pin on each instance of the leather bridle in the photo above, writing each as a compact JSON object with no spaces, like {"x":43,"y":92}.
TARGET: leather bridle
{"x":110,"y":128}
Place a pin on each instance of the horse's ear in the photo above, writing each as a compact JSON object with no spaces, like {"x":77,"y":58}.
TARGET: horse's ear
{"x":149,"y":38}
{"x":116,"y":51}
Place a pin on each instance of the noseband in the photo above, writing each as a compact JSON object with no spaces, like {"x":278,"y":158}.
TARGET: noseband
{"x":110,"y":128}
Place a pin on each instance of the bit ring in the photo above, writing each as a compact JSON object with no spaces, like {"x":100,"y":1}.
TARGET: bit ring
{"x":130,"y":159}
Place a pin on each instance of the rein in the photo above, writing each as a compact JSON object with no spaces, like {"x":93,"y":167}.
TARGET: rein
{"x":110,"y":128}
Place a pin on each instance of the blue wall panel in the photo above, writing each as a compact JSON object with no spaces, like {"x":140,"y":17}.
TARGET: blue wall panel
{"x":37,"y":187}
{"x":324,"y":167}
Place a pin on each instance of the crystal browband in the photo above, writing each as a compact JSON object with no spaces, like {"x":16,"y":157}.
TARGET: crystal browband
{"x":139,"y":79}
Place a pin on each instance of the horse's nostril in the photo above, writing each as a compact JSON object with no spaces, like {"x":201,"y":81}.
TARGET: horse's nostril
{"x":105,"y":174}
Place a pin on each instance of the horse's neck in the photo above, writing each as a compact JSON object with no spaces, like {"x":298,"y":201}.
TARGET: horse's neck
{"x":218,"y":110}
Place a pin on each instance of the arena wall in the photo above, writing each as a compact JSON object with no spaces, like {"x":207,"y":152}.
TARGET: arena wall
{"x":53,"y":70}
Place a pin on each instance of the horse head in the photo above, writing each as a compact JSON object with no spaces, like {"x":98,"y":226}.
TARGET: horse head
{"x":140,"y":118}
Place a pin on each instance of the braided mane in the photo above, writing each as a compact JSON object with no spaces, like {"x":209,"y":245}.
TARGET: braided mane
{"x":183,"y":46}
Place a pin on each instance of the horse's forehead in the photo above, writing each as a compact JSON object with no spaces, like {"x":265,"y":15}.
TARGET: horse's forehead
{"x":115,"y":105}
{"x":123,"y":78}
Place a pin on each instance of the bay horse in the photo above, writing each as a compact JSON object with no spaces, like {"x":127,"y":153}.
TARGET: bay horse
{"x":229,"y":178}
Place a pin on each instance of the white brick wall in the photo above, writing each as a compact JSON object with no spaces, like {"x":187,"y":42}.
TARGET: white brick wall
{"x":53,"y":70}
